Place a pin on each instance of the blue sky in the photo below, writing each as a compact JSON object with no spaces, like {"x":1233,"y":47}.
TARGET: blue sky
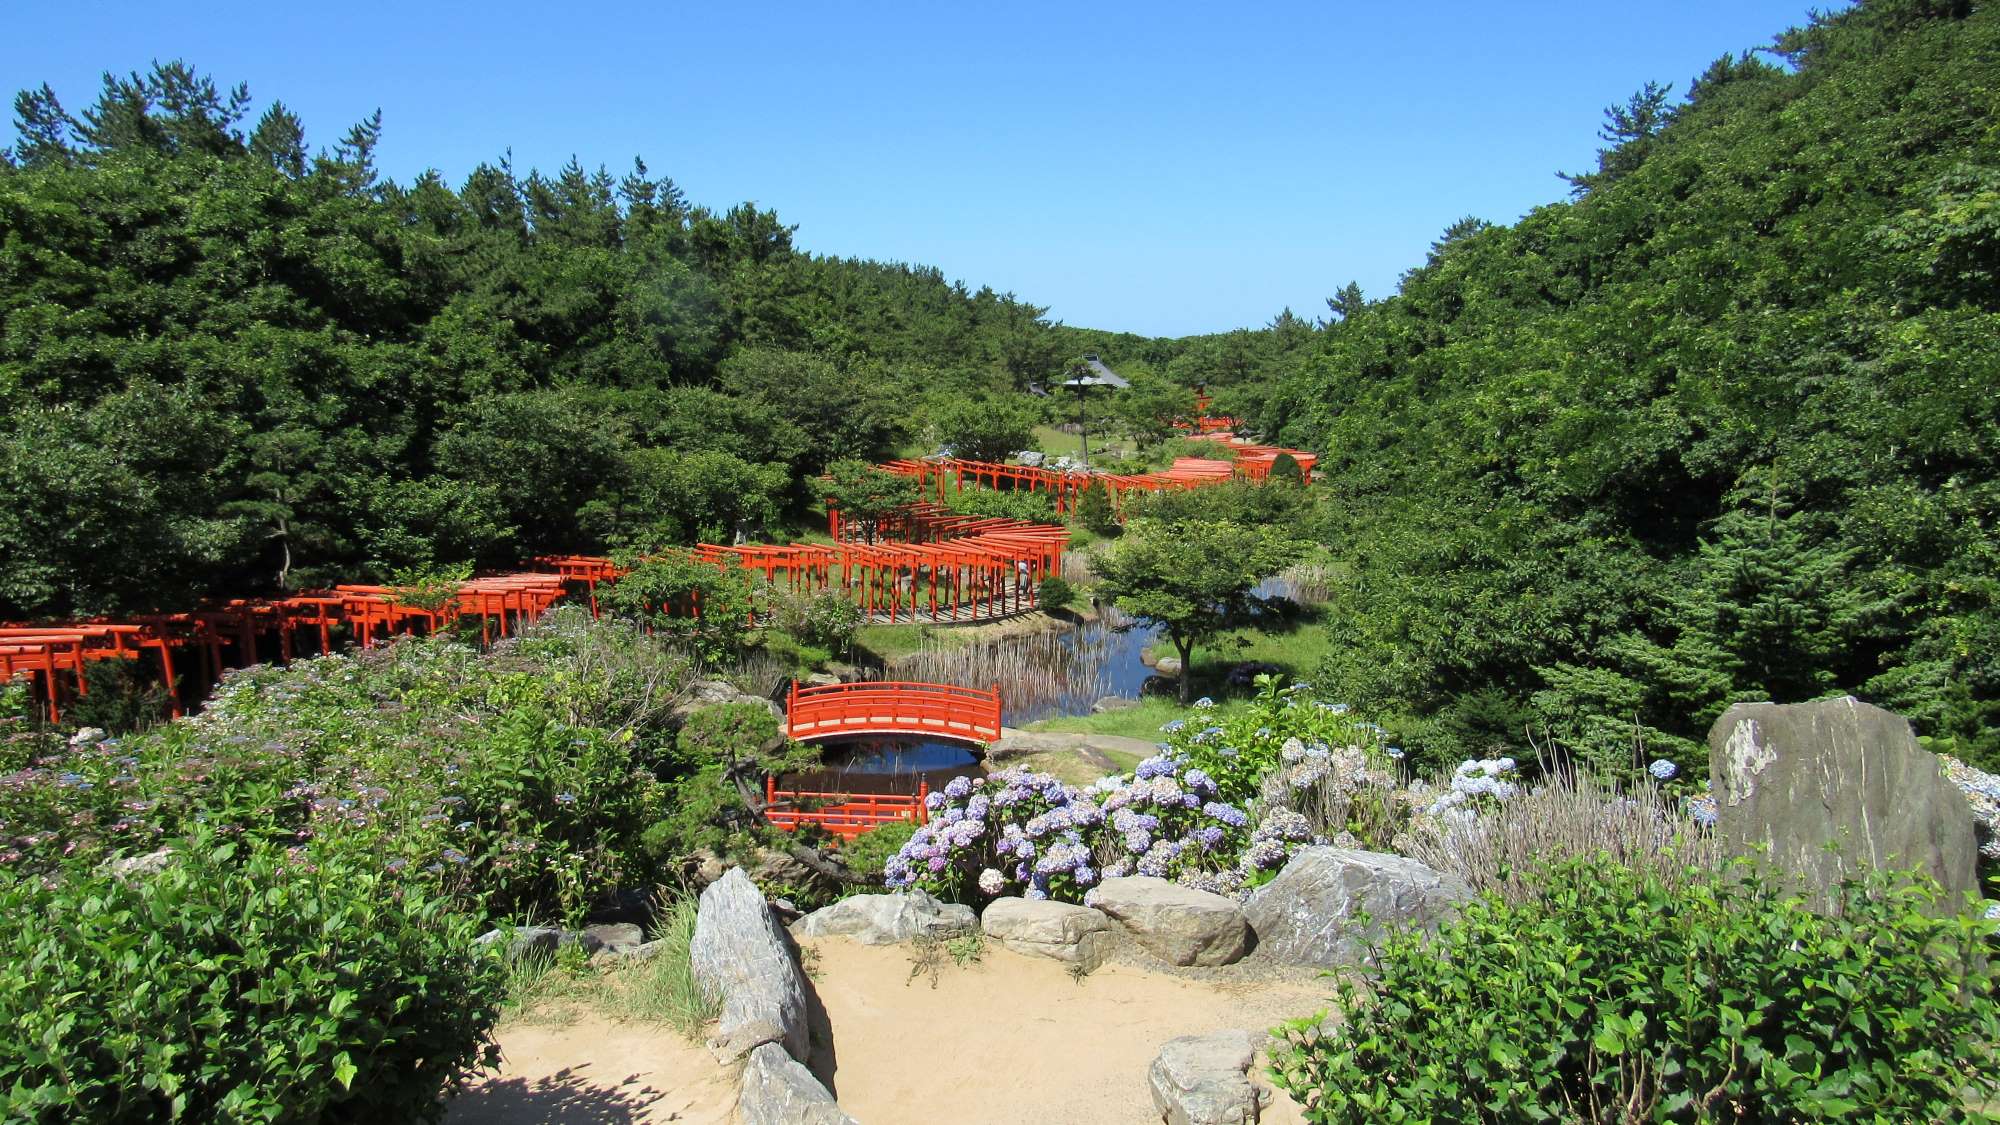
{"x":1160,"y":168}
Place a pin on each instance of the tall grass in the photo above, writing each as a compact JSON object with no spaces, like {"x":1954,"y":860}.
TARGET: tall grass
{"x":1571,"y":814}
{"x":1307,"y":583}
{"x":665,"y":988}
{"x":1054,"y":672}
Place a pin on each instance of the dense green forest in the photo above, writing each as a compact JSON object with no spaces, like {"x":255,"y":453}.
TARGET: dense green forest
{"x":230,"y":365}
{"x":1721,"y":425}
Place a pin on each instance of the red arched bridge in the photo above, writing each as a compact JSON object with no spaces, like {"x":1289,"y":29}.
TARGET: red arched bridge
{"x":944,"y":711}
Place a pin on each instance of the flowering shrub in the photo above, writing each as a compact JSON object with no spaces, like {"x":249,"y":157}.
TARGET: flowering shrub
{"x":509,"y":781}
{"x":1615,"y":995}
{"x":1013,"y":832}
{"x":1018,"y":832}
{"x":1239,"y":751}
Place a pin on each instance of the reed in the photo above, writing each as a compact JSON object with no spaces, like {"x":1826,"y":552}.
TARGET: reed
{"x":1307,"y":583}
{"x":1059,"y":671}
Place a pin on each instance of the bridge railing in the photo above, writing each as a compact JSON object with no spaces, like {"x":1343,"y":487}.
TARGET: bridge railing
{"x":894,"y":707}
{"x":845,"y":815}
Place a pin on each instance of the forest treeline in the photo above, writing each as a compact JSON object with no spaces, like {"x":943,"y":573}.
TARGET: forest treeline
{"x":230,"y":362}
{"x":1721,"y":425}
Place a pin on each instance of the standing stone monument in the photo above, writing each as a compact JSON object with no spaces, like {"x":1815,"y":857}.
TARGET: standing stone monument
{"x":1793,"y":777}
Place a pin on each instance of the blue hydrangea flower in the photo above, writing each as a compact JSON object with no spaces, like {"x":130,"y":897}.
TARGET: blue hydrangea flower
{"x":1663,"y":769}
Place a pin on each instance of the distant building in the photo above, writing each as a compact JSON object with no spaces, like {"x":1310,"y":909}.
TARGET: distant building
{"x":1095,"y":374}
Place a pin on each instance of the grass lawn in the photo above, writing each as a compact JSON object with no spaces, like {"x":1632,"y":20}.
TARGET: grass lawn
{"x":893,"y":642}
{"x":1297,"y":648}
{"x":1143,"y":721}
{"x":1061,"y":443}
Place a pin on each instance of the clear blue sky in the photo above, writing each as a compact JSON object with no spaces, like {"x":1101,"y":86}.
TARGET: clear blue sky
{"x":1161,"y":168}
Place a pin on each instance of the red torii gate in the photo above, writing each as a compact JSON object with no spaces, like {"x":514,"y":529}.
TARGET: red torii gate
{"x":56,"y":656}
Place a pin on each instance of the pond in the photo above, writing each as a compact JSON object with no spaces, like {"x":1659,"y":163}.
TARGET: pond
{"x":885,"y":765}
{"x":1046,"y":673}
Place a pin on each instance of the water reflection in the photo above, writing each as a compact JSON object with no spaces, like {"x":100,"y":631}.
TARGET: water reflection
{"x":1059,"y":671}
{"x":885,"y":765}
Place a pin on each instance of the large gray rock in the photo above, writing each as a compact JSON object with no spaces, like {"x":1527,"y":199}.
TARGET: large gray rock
{"x":778,"y":1090}
{"x":1110,"y":703}
{"x":1179,"y":925}
{"x":1203,"y":1080}
{"x":1792,"y":778}
{"x":1307,"y":915}
{"x":541,"y":941}
{"x":887,"y":919}
{"x":708,"y":693}
{"x":740,"y":957}
{"x":1075,"y":935}
{"x":611,"y":937}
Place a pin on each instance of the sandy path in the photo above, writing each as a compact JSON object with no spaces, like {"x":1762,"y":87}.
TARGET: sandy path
{"x":1014,"y":1039}
{"x":594,"y":1071}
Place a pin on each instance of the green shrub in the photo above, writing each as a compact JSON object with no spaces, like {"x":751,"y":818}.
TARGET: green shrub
{"x":866,"y":853}
{"x":237,"y":983}
{"x":1054,"y":593}
{"x":1093,"y":510}
{"x":1018,"y":504}
{"x":703,"y":605}
{"x":825,"y":619}
{"x":1615,"y":996}
{"x":522,"y":778}
{"x":722,"y":751}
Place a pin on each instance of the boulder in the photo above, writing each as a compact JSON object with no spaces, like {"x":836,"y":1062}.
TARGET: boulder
{"x":637,"y":955}
{"x":1789,"y":779}
{"x":887,"y":919}
{"x":740,"y":957}
{"x":1306,"y":916}
{"x":540,"y":940}
{"x":1179,"y":925}
{"x":778,"y":1090}
{"x":1204,"y":1080}
{"x":1076,"y":935}
{"x":1111,"y":703}
{"x":708,"y":693}
{"x":611,"y":937}
{"x":1168,"y":666}
{"x":87,"y":736}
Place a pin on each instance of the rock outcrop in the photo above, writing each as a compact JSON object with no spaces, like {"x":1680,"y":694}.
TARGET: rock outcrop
{"x":1790,"y":779}
{"x":1075,"y":935}
{"x":1179,"y":925}
{"x":779,"y":1090}
{"x":887,"y":919}
{"x":740,"y":957}
{"x":1204,"y":1080}
{"x":1307,"y":915}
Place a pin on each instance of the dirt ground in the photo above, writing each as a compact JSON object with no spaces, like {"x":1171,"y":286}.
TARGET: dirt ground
{"x":1008,"y":1040}
{"x":592,"y":1071}
{"x":1015,"y":1040}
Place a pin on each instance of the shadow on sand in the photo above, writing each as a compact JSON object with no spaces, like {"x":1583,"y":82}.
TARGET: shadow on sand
{"x":571,"y":1095}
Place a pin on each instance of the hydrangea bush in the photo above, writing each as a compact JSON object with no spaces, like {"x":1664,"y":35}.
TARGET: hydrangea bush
{"x":509,"y":781}
{"x":1221,"y":808}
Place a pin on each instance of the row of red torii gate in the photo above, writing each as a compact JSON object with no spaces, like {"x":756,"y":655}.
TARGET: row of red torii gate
{"x":926,"y":564}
